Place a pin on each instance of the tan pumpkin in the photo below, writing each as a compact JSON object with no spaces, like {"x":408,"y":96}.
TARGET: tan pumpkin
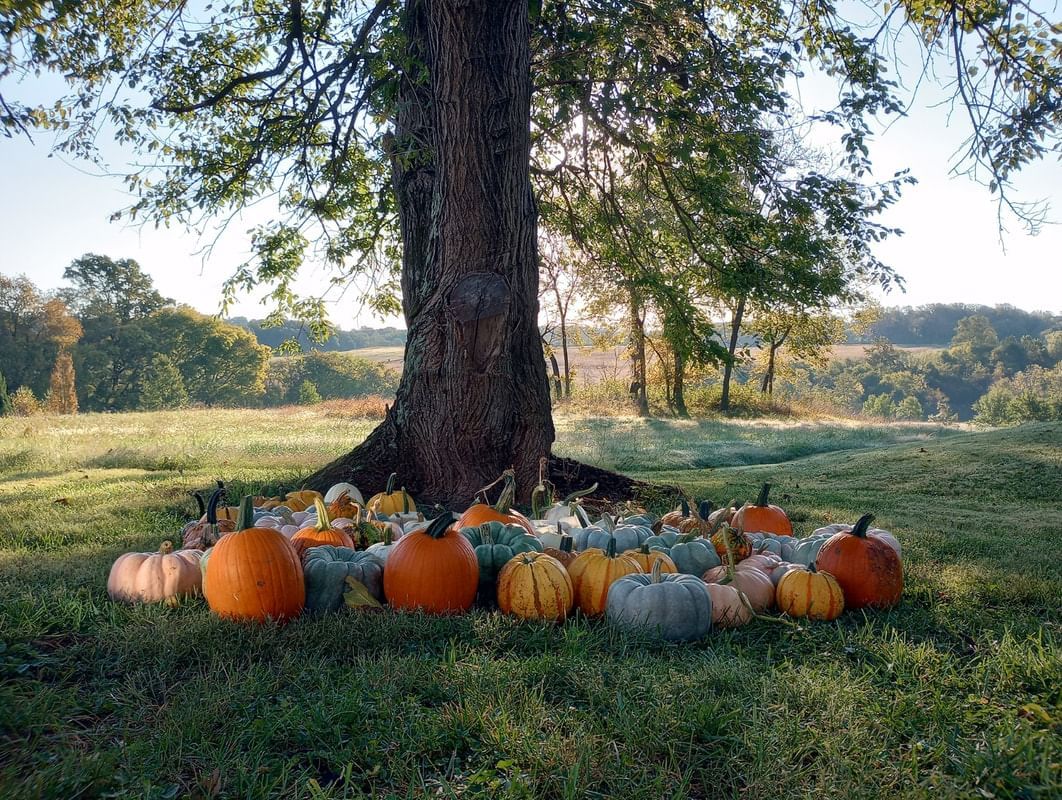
{"x":810,"y":593}
{"x":756,"y":585}
{"x":729,"y":609}
{"x":534,"y":585}
{"x":594,"y":571}
{"x":165,"y":576}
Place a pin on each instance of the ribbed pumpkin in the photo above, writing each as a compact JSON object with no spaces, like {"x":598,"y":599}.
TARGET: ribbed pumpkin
{"x":327,"y":569}
{"x":564,"y":552}
{"x":593,"y":572}
{"x":762,"y":516}
{"x":432,"y":570}
{"x":390,"y":502}
{"x":755,"y":584}
{"x":738,"y":543}
{"x":646,"y":558}
{"x":502,"y":511}
{"x":866,"y":567}
{"x":672,"y":607}
{"x":729,"y":608}
{"x":697,"y":522}
{"x":343,"y":506}
{"x":320,"y":534}
{"x":208,"y":529}
{"x":496,"y":544}
{"x":535,"y":586}
{"x":674,"y":518}
{"x":810,"y":593}
{"x":163,"y":576}
{"x":254,"y":573}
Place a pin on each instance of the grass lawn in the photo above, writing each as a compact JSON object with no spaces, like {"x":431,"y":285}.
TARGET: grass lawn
{"x":955,"y":693}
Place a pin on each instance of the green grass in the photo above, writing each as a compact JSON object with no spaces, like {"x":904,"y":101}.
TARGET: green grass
{"x":955,"y":693}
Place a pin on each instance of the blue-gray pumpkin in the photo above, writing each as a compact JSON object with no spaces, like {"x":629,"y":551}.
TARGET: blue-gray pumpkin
{"x":692,"y":554}
{"x":496,"y":543}
{"x":326,"y":569}
{"x":672,"y":607}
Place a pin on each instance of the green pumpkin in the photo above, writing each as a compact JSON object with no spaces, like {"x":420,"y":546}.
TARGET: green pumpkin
{"x":804,"y":551}
{"x":496,"y":544}
{"x":667,"y":538}
{"x":672,"y":607}
{"x":326,"y":569}
{"x":692,"y":554}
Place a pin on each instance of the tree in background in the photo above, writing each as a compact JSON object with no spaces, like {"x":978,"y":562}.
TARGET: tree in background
{"x":34,"y":328}
{"x":24,"y":402}
{"x":62,"y":389}
{"x":162,"y":386}
{"x":308,"y":394}
{"x":5,"y":399}
{"x":805,"y":334}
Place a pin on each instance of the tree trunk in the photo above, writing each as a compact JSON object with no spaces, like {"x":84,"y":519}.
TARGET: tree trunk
{"x":564,"y":352}
{"x":680,"y":377}
{"x":639,"y":394}
{"x":558,"y":387}
{"x":728,"y":369}
{"x":474,"y":398}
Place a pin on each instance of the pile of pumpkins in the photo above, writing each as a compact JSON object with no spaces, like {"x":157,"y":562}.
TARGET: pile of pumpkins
{"x":675,"y":577}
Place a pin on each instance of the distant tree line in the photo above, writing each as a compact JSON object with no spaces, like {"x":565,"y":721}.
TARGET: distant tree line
{"x":292,"y":332}
{"x":934,"y":324}
{"x":109,"y":341}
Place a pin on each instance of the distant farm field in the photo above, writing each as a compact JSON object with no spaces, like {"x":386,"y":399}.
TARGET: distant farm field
{"x":956,"y":693}
{"x":591,"y":365}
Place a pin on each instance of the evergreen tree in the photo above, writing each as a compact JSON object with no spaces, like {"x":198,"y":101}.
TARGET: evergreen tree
{"x":162,"y":387}
{"x":308,"y":394}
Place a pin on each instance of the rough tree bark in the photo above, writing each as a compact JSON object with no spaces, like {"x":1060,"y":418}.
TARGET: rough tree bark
{"x":474,"y":398}
{"x":638,"y":371}
{"x":680,"y":378}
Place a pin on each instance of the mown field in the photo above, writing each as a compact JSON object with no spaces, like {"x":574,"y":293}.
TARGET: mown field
{"x":955,"y":693}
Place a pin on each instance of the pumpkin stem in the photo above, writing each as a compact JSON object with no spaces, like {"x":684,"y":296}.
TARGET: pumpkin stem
{"x":391,"y":483}
{"x":485,"y":533}
{"x":762,"y":499}
{"x":704,"y":509}
{"x":607,"y":522}
{"x":580,"y":513}
{"x":245,"y":519}
{"x":212,"y":506}
{"x":508,"y":493}
{"x":166,"y":547}
{"x":812,"y":568}
{"x":439,"y":526}
{"x":654,"y":574}
{"x":405,"y":501}
{"x":323,"y":522}
{"x":684,"y":506}
{"x":764,"y":617}
{"x":543,"y":489}
{"x":200,"y":503}
{"x":566,"y":543}
{"x":580,"y":493}
{"x":861,"y":527}
{"x":610,"y":550}
{"x":644,"y":549}
{"x":728,"y":544}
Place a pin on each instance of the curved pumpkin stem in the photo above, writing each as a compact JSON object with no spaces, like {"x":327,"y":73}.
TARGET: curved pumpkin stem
{"x":765,"y":490}
{"x":391,"y":483}
{"x":607,"y":522}
{"x":654,"y":574}
{"x":212,"y":506}
{"x":861,"y":527}
{"x":323,"y":522}
{"x":200,"y":503}
{"x":704,"y":510}
{"x":756,"y":615}
{"x":405,"y":500}
{"x":544,"y":489}
{"x":580,"y":493}
{"x":685,"y":506}
{"x":439,"y":526}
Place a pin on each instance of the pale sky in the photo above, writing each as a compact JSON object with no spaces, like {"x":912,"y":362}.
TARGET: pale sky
{"x":52,"y":211}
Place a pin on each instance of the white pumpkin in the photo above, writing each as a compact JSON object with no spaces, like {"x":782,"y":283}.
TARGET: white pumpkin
{"x":352,"y":492}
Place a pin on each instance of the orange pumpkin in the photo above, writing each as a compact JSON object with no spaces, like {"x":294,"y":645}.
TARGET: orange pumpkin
{"x":646,"y":558}
{"x":343,"y":506}
{"x":432,"y":570}
{"x":502,"y":511}
{"x":321,"y":533}
{"x":762,"y":516}
{"x":594,"y":571}
{"x":739,"y":545}
{"x":675,"y":518}
{"x":254,"y":573}
{"x":867,"y":568}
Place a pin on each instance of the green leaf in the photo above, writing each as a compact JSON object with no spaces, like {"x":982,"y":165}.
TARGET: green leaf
{"x":358,"y":598}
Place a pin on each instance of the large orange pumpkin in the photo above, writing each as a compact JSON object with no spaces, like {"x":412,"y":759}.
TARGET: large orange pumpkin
{"x":502,"y":511}
{"x":321,"y":533}
{"x":254,"y":573}
{"x":594,"y":571}
{"x":433,"y":570}
{"x":762,"y":516}
{"x":866,"y":567}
